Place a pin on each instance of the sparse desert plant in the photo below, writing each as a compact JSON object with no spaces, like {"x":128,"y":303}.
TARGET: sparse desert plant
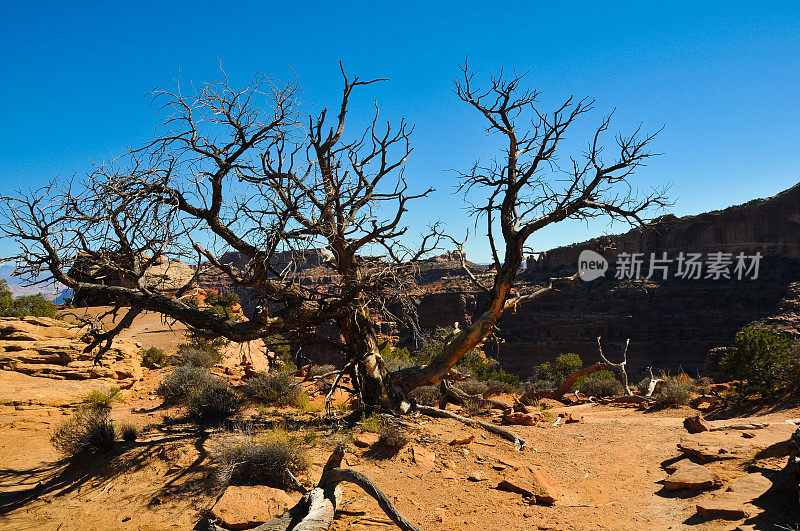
{"x":154,"y":358}
{"x":89,"y":430}
{"x":472,"y":386}
{"x":277,"y":388}
{"x":183,"y":382}
{"x":213,"y":403}
{"x":128,"y":432}
{"x":762,"y":359}
{"x":262,"y":460}
{"x":373,"y":423}
{"x":103,"y":399}
{"x":304,"y":403}
{"x":427,"y":395}
{"x":600,"y":383}
{"x":474,"y":407}
{"x":196,"y":357}
{"x":391,"y":438}
{"x":502,"y":387}
{"x":672,"y":392}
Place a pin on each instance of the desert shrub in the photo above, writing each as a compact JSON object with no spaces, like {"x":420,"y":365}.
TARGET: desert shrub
{"x":197,"y":357}
{"x":263,"y":460}
{"x":89,"y":430}
{"x":33,"y":305}
{"x":154,"y":358}
{"x":472,"y":386}
{"x":213,"y":403}
{"x":557,"y":371}
{"x":128,"y":432}
{"x":223,"y":303}
{"x":103,"y":399}
{"x":672,"y":392}
{"x":474,"y":407}
{"x":278,"y":388}
{"x":183,"y":382}
{"x":488,"y":369}
{"x":502,"y":387}
{"x":762,"y":359}
{"x":304,"y":403}
{"x":398,"y":358}
{"x":391,"y":438}
{"x":283,"y":352}
{"x":600,"y":383}
{"x":427,"y":395}
{"x":530,"y":384}
{"x":373,"y":423}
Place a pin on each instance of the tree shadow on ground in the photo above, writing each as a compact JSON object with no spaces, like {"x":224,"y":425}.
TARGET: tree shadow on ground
{"x":64,"y":476}
{"x":732,"y":409}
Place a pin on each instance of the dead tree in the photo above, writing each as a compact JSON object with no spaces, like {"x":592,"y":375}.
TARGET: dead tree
{"x":316,"y":509}
{"x":245,"y":170}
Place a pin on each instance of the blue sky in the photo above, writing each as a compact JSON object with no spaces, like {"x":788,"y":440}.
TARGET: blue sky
{"x":722,"y":77}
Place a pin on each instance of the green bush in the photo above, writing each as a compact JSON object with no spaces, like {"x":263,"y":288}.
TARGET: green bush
{"x":278,"y":388}
{"x":103,"y":399}
{"x":213,"y":403}
{"x":763,"y":359}
{"x":558,"y":370}
{"x":154,"y":358}
{"x":89,"y":430}
{"x":195,"y":357}
{"x":672,"y":393}
{"x":600,"y":383}
{"x":183,"y":382}
{"x":30,"y":305}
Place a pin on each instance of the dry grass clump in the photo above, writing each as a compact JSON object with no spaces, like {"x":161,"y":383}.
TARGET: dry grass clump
{"x":183,"y":382}
{"x":262,"y":460}
{"x":128,"y":432}
{"x":274,"y":388}
{"x":392,"y":439}
{"x":213,"y":403}
{"x":472,"y":386}
{"x":674,"y":391}
{"x":427,"y":395}
{"x":196,"y":357}
{"x":89,"y":430}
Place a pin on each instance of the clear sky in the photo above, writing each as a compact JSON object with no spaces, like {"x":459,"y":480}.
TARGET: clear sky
{"x":722,"y":77}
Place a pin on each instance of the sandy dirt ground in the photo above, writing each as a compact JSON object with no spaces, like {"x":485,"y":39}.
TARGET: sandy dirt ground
{"x":608,"y":468}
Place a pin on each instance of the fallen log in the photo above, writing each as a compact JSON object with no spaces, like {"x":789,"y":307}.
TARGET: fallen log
{"x":315,"y":510}
{"x":435,"y":412}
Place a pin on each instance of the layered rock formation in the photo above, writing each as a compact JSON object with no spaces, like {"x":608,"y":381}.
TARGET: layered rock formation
{"x":50,"y":348}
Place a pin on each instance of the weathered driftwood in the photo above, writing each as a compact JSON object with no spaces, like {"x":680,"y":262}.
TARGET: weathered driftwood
{"x":519,"y":443}
{"x":315,"y":510}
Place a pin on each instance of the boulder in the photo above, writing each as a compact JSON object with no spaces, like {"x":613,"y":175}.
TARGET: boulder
{"x":735,"y":502}
{"x":532,"y":483}
{"x":366,"y":439}
{"x":696,"y":424}
{"x":704,"y":448}
{"x":695,"y":477}
{"x":463,"y":440}
{"x":477,"y":475}
{"x":247,"y":507}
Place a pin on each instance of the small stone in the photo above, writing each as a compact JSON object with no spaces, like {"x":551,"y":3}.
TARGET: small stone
{"x":522,"y":419}
{"x":574,"y":418}
{"x":365,"y":440}
{"x":462,"y":441}
{"x":748,"y":434}
{"x":422,"y":457}
{"x":449,"y":474}
{"x":534,"y":483}
{"x":696,"y":424}
{"x":477,"y":475}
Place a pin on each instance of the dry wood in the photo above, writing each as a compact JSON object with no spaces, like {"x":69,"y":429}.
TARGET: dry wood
{"x":519,"y":444}
{"x":316,"y":509}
